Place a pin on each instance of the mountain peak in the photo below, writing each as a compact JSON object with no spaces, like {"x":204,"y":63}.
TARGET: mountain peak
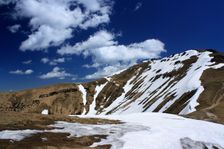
{"x":177,"y":84}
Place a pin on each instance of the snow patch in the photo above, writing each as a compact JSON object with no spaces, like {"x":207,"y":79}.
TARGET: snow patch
{"x":108,"y":79}
{"x":165,"y":131}
{"x":84,"y":94}
{"x":17,"y":135}
{"x":113,"y":131}
{"x":45,"y":112}
{"x":92,"y":107}
{"x":120,"y":99}
{"x":139,"y":131}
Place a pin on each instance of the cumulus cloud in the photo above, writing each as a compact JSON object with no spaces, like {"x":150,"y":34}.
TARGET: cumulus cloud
{"x":53,"y":21}
{"x":57,"y":72}
{"x":27,"y":62}
{"x":109,"y":56}
{"x":96,"y":41}
{"x":104,"y":49}
{"x":56,"y":61}
{"x":15,"y":28}
{"x":45,"y":60}
{"x":45,"y":37}
{"x":21,"y":72}
{"x":52,"y":62}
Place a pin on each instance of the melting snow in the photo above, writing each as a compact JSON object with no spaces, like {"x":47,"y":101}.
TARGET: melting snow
{"x":165,"y":131}
{"x":191,"y":82}
{"x":120,"y":99}
{"x":45,"y":112}
{"x":113,"y":131}
{"x":17,"y":135}
{"x":140,"y":131}
{"x":160,"y":88}
{"x":108,"y":79}
{"x":84,"y":94}
{"x":92,"y":107}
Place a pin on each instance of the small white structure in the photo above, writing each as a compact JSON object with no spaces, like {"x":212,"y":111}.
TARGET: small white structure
{"x":45,"y":112}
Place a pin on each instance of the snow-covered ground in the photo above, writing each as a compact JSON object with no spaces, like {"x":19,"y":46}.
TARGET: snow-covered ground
{"x":165,"y":131}
{"x":140,"y":131}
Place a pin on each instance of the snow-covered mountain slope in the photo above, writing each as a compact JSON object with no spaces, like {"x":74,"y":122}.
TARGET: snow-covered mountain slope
{"x":180,"y":84}
{"x":170,"y":85}
{"x":190,"y":83}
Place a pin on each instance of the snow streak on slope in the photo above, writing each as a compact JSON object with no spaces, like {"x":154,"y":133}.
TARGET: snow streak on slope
{"x":120,"y":99}
{"x":92,"y":107}
{"x":84,"y":94}
{"x":191,"y":82}
{"x":165,"y":83}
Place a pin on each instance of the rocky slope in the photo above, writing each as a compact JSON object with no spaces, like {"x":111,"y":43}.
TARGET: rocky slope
{"x":189,"y":83}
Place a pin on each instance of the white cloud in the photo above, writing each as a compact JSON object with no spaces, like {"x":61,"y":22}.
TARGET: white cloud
{"x":21,"y":72}
{"x":97,"y":19}
{"x":92,"y":5}
{"x":29,"y":71}
{"x":106,"y":71}
{"x":95,"y":65}
{"x":108,"y":56}
{"x":27,"y":62}
{"x":53,"y":21}
{"x":45,"y":60}
{"x":147,"y":49}
{"x":15,"y":28}
{"x":138,"y":6}
{"x":56,"y":61}
{"x":56,"y":73}
{"x":98,"y":40}
{"x":44,"y":37}
{"x":104,"y":49}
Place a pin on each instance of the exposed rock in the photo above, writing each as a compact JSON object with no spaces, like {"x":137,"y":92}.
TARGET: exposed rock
{"x":188,"y":143}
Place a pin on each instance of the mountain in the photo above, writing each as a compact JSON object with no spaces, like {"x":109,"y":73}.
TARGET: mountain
{"x":125,"y":110}
{"x":190,"y":83}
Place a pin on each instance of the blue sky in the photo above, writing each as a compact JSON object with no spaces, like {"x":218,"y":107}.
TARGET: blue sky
{"x":46,"y":42}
